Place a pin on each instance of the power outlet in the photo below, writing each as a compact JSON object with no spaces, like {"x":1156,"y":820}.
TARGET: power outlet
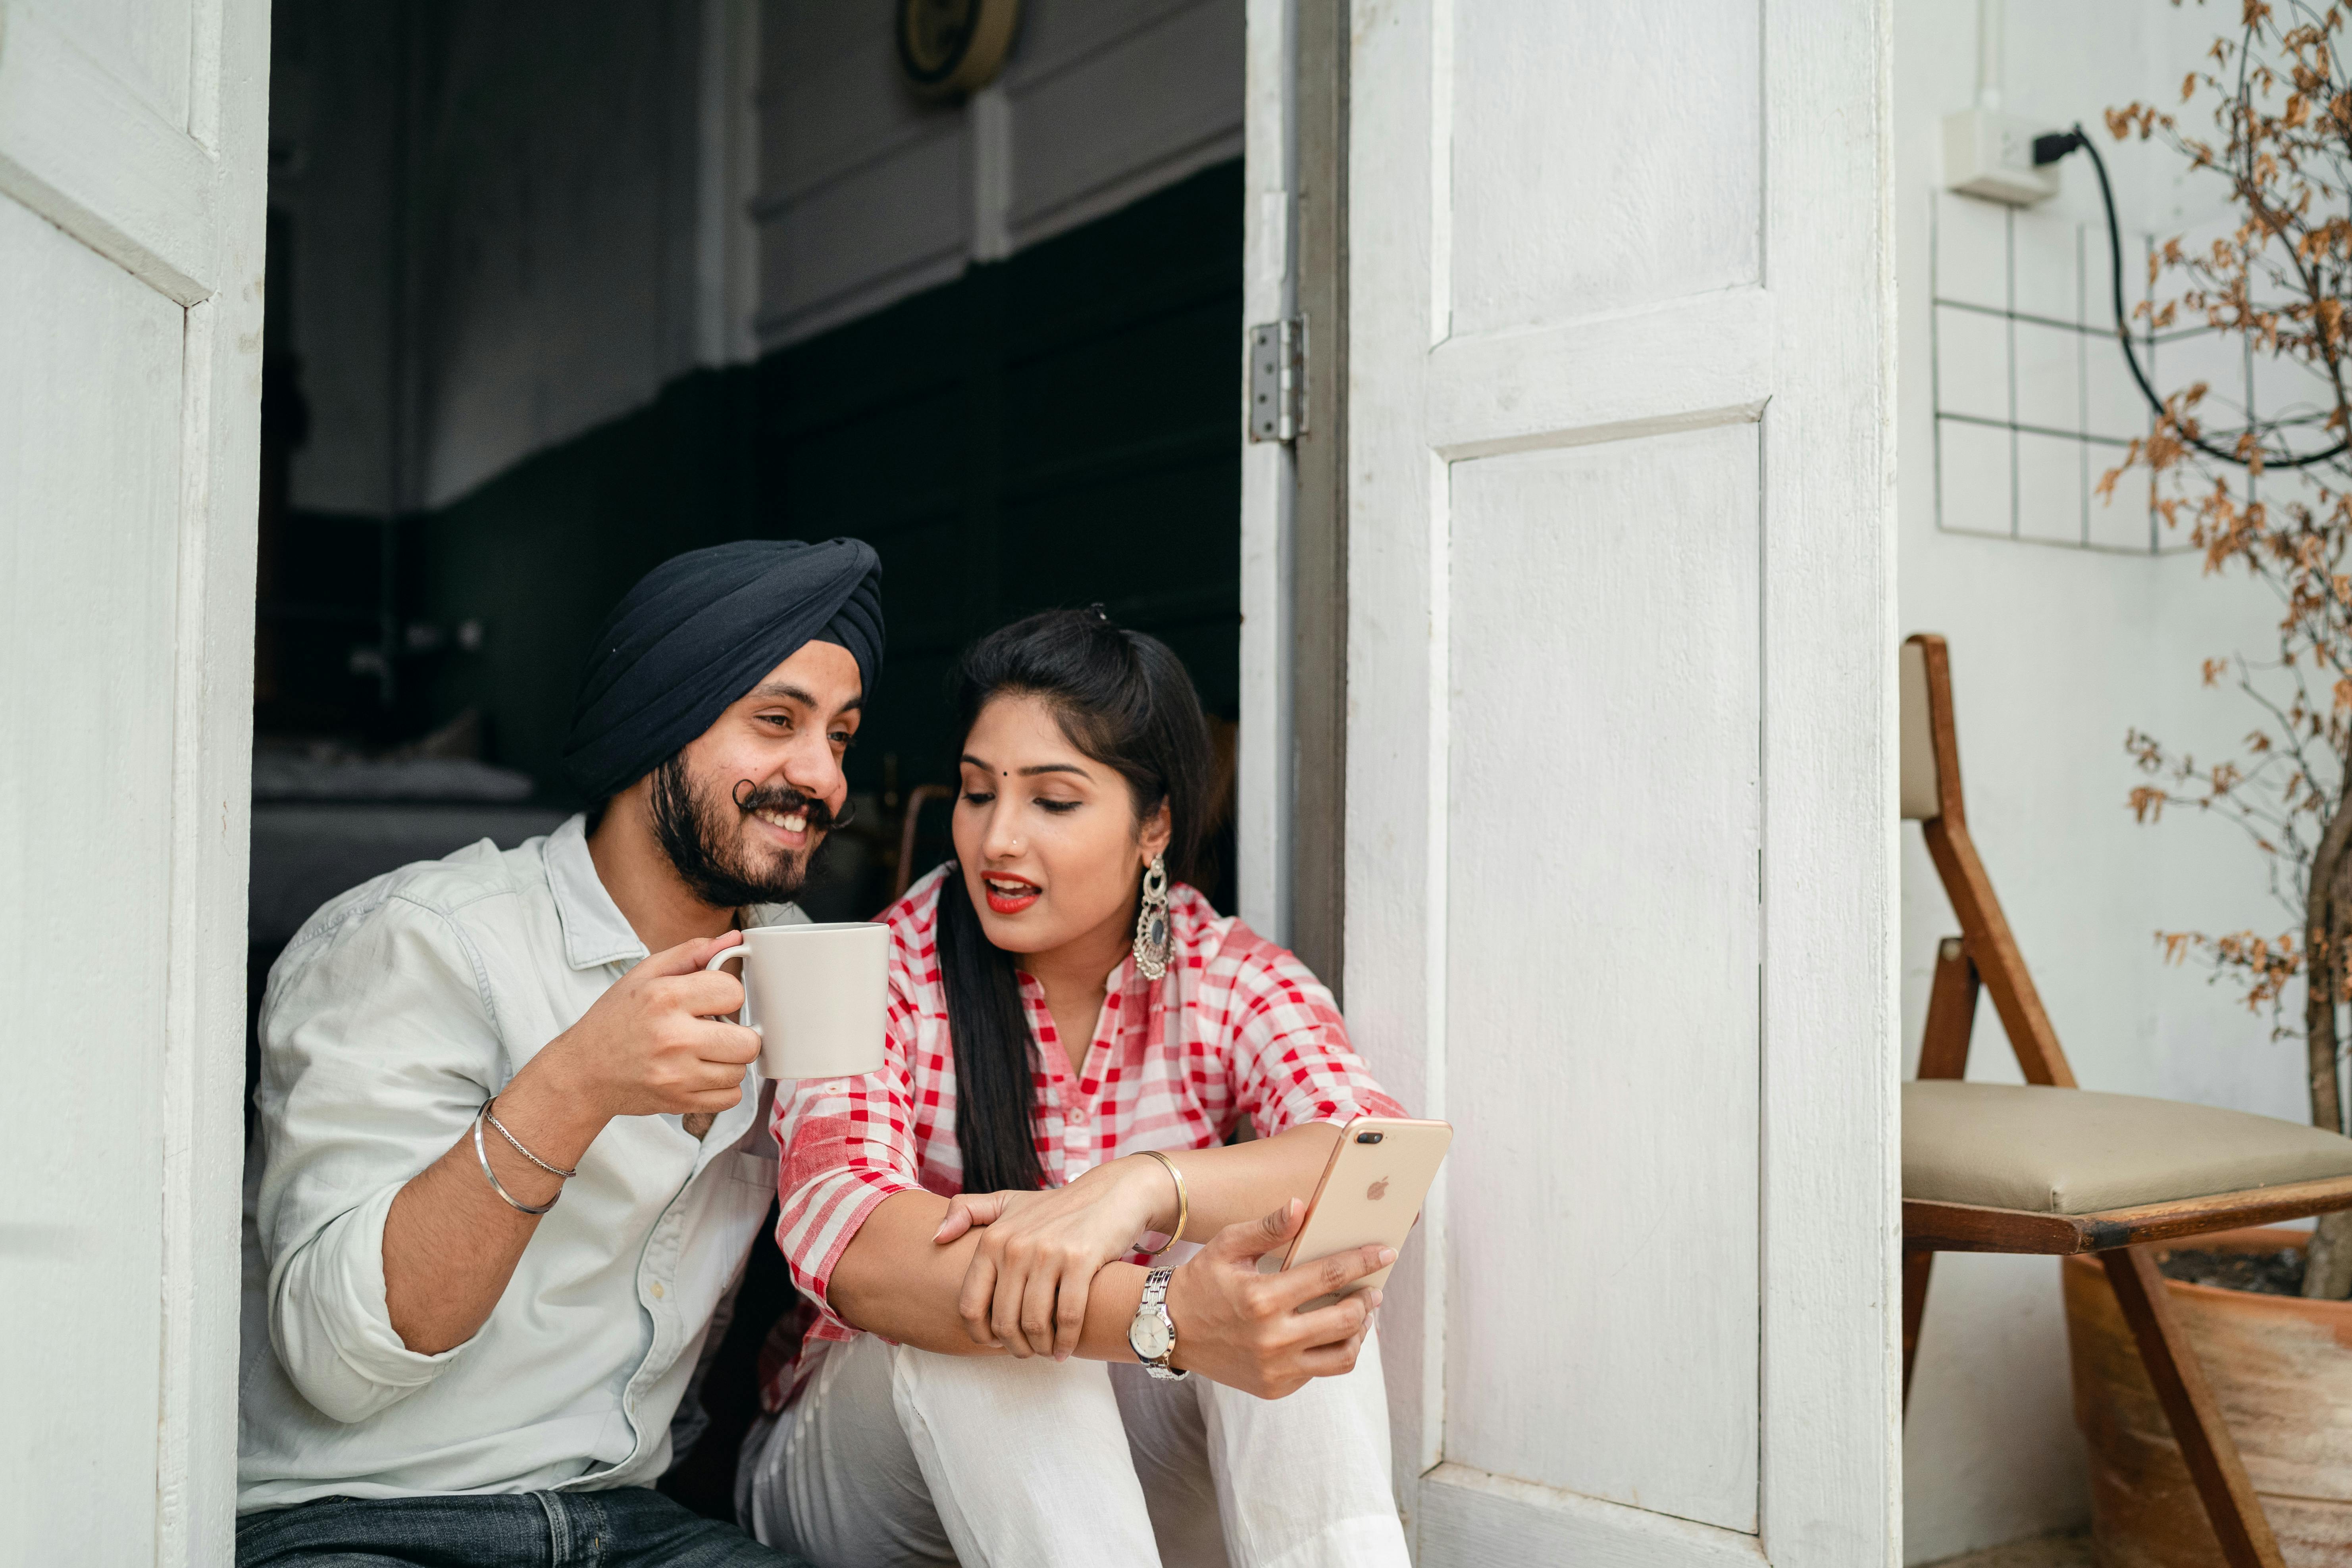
{"x":1991,"y":154}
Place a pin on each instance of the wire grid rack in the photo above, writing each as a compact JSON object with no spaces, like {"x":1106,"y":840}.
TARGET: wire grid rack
{"x":2033,"y":404}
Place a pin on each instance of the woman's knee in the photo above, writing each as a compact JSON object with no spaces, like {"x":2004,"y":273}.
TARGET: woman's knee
{"x":836,"y":1479}
{"x":999,"y":1388}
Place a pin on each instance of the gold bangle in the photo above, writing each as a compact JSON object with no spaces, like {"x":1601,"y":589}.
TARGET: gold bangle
{"x":1184,"y":1199}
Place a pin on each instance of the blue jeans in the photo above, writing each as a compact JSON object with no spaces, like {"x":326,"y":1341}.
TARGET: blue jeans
{"x":630,"y":1527}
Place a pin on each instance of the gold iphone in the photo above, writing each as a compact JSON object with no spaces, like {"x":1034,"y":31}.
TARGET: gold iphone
{"x":1370,"y":1194}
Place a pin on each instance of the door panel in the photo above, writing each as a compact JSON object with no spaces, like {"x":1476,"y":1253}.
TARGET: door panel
{"x":132,"y":142}
{"x":89,"y":443}
{"x":143,"y":44}
{"x":1605,"y":709}
{"x":1640,"y":124}
{"x":81,"y":147}
{"x":1619,"y":788}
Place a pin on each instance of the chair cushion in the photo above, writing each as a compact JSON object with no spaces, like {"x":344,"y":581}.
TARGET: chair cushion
{"x":2068,"y":1151}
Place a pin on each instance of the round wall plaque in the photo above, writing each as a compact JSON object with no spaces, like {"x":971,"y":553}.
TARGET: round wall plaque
{"x":950,"y":47}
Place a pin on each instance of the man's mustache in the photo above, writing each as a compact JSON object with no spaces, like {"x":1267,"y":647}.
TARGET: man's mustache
{"x":787,"y":801}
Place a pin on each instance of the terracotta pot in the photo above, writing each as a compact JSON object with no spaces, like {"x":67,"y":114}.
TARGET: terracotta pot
{"x":2281,"y":1368}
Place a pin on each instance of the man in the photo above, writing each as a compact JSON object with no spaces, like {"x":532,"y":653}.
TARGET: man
{"x":480,"y":1314}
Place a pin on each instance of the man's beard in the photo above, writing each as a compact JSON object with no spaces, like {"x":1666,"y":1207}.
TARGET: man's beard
{"x":704,"y":838}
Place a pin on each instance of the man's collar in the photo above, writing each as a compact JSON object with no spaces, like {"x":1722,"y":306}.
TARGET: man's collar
{"x":755,"y":915}
{"x":595,"y":932}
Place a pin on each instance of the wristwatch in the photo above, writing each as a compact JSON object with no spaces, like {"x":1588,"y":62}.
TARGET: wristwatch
{"x":1152,"y":1335}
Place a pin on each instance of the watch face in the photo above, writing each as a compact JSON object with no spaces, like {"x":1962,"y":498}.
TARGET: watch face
{"x":1150,"y":1336}
{"x":933,"y":36}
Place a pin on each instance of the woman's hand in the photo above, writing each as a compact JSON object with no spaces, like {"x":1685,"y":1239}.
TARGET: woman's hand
{"x":1245,"y":1329}
{"x":1026,"y":1288}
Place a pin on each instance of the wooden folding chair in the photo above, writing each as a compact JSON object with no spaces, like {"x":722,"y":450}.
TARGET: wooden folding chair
{"x":2047,"y":1168}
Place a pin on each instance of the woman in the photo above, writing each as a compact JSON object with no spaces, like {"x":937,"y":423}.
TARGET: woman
{"x":980,"y":1207}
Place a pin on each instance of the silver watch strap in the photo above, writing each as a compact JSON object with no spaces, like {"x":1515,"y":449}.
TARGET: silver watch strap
{"x":1155,"y":1300}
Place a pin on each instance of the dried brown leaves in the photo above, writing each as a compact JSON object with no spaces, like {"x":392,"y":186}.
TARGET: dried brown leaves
{"x":2277,"y":279}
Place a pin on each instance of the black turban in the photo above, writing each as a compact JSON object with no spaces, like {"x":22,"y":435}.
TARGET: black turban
{"x":697,"y":631}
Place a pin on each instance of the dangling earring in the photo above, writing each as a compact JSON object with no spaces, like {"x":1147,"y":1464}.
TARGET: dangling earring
{"x":1151,"y":937}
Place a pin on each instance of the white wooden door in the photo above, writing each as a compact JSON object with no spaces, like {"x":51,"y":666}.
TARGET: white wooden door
{"x":1620,"y":823}
{"x":132,"y":157}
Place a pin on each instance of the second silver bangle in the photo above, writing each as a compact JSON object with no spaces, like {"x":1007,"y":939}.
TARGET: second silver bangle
{"x":482,"y":1152}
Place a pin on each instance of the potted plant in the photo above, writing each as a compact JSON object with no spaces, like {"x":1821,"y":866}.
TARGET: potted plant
{"x":2270,"y":498}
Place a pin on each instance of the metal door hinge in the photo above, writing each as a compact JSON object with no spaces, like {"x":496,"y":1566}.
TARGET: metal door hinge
{"x":1277,"y":380}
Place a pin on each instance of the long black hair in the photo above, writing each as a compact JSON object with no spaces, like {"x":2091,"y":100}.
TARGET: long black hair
{"x":1123,"y":699}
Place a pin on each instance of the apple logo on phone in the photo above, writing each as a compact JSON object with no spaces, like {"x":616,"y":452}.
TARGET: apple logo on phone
{"x":1378,"y":1190}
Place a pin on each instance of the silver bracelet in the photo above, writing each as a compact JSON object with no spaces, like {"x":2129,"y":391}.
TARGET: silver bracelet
{"x":482,"y":1152}
{"x":493,"y":1116}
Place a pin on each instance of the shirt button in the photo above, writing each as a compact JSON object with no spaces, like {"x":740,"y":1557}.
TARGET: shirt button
{"x":1078,"y":1115}
{"x":657,"y":1290}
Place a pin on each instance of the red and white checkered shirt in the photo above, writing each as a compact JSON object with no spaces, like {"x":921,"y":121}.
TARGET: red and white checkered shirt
{"x":1238,"y":1027}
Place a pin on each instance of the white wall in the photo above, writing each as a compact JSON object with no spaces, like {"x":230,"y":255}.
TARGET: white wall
{"x":2056,"y":652}
{"x":556,"y":173}
{"x":513,"y":224}
{"x":333,"y":170}
{"x":870,"y":195}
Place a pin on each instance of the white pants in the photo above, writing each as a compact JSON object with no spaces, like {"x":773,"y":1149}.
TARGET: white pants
{"x":893,"y":1456}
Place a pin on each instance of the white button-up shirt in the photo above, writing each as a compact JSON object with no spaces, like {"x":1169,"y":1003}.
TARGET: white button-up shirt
{"x":395,"y":1013}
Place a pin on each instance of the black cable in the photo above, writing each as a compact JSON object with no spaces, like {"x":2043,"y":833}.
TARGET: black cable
{"x":2048,"y":149}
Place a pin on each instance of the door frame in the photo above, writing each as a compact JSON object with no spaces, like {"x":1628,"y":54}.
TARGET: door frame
{"x":1292,"y":774}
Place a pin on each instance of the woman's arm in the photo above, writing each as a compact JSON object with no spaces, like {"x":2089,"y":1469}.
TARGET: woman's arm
{"x":1233,"y":1325}
{"x":1242,"y":1182}
{"x":1226,"y":1184}
{"x":1027,"y":1284}
{"x":893,"y":1280}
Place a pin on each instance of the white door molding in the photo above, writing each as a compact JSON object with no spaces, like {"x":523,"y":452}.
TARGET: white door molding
{"x":1292,"y":776}
{"x":133,"y":168}
{"x":1262,"y":829}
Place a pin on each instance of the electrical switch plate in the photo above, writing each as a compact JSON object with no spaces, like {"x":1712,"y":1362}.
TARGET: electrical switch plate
{"x":1991,"y":154}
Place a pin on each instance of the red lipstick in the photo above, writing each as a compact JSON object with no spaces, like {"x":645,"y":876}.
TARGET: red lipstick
{"x":1009,"y":895}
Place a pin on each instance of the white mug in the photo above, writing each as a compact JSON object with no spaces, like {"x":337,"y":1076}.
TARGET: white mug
{"x":817,"y":994}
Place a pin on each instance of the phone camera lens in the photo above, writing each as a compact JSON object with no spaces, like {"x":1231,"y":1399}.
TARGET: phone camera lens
{"x":1370,"y":1137}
